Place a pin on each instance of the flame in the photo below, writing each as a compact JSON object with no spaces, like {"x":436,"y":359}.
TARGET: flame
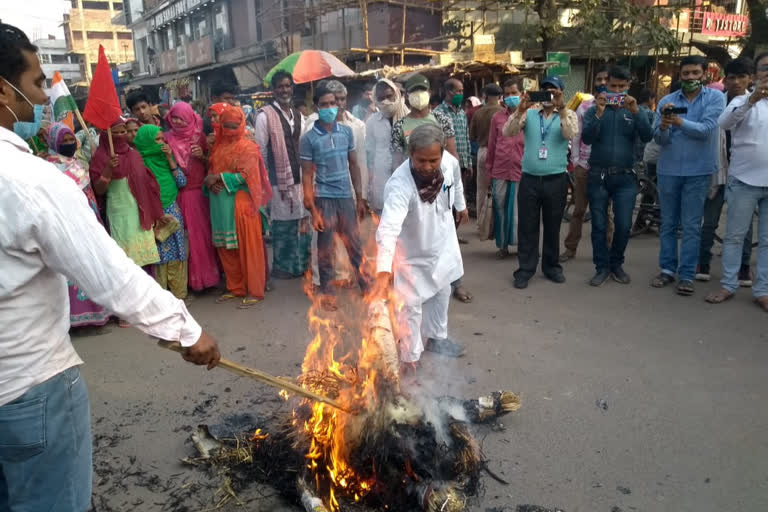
{"x":258,"y":436}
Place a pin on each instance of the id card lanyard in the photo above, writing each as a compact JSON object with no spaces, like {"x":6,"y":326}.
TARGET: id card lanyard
{"x":543,"y":152}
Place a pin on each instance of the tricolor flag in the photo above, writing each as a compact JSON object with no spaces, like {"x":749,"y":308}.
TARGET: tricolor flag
{"x":64,"y":105}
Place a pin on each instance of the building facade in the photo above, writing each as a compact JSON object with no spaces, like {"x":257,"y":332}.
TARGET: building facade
{"x":89,"y":24}
{"x":55,"y":57}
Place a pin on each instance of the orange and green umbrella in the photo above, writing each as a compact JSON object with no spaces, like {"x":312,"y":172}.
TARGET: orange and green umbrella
{"x":310,"y":65}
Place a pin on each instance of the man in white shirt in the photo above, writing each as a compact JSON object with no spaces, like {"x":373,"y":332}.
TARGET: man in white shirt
{"x":417,"y":241}
{"x":747,"y":188}
{"x":49,"y":234}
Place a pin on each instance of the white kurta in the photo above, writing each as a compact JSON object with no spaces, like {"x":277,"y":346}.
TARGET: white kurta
{"x":378,"y":153}
{"x":417,"y":241}
{"x":422,"y":234}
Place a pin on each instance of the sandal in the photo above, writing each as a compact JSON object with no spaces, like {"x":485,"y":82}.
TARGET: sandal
{"x":463,"y":295}
{"x":248,"y":303}
{"x":123,"y":324}
{"x":762,"y":302}
{"x":225,"y":298}
{"x":685,"y":288}
{"x":662,"y":280}
{"x":719,"y":296}
{"x":445,"y":347}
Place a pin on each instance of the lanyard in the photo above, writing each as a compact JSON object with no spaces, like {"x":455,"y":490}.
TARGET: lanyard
{"x":545,"y":131}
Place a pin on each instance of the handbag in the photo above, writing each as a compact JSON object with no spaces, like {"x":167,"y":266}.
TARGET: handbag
{"x":165,"y":230}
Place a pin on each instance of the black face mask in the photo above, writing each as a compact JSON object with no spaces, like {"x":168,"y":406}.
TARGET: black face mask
{"x":68,"y":150}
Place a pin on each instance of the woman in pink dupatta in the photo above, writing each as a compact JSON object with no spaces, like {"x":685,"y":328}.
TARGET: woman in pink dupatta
{"x":189,"y":148}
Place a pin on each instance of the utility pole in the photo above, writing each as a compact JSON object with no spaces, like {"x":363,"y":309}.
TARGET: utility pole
{"x":364,"y":9}
{"x":402,"y":41}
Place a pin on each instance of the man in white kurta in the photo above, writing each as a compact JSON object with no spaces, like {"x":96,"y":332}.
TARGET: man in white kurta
{"x":417,"y":241}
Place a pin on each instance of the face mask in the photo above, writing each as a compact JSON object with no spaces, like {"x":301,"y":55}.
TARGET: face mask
{"x":457,"y":100}
{"x":512,"y":101}
{"x":68,"y":150}
{"x":419,"y":99}
{"x":25,"y":129}
{"x":690,"y":85}
{"x":386,"y":107}
{"x":328,"y":115}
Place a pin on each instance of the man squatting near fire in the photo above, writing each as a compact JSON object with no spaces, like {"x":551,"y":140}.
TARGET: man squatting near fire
{"x":417,"y":224}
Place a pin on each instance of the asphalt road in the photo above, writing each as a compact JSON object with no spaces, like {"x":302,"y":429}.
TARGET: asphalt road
{"x":634,"y":399}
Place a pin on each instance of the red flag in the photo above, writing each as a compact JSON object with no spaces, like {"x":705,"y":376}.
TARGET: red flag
{"x":103,"y":107}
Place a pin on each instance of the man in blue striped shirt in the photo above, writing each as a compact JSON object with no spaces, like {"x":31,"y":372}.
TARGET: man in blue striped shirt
{"x":328,"y":161}
{"x":686,"y":129}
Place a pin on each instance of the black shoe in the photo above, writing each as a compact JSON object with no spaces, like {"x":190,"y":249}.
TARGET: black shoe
{"x":702,"y":273}
{"x":521,"y":283}
{"x":745,"y":276}
{"x":445,"y":347}
{"x":620,"y":276}
{"x":599,"y":278}
{"x":556,"y":277}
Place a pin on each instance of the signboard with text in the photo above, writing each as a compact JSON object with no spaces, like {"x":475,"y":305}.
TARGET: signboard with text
{"x":724,"y":25}
{"x":563,"y":68}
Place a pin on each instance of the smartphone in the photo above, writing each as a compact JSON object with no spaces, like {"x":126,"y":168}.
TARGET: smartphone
{"x":540,"y":96}
{"x":674,"y":111}
{"x":615,"y":98}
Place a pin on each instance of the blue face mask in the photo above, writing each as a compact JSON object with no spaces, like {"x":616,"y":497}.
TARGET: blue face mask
{"x":26,"y":130}
{"x":328,"y":115}
{"x":512,"y":101}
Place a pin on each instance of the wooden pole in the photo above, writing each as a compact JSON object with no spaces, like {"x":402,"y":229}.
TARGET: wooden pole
{"x":87,"y":131}
{"x":402,"y":48}
{"x":111,"y":145}
{"x":364,"y":9}
{"x":262,"y":376}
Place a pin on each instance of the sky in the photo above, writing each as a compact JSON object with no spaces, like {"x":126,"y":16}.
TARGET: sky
{"x":37,"y":18}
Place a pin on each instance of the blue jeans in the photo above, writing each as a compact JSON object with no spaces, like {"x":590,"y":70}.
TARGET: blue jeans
{"x":622,"y":190}
{"x":45,"y":447}
{"x":713,"y":207}
{"x":339,"y":218}
{"x":682,"y":202}
{"x":742,"y":200}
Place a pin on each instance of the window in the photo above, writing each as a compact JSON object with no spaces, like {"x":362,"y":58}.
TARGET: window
{"x":125,"y":36}
{"x":45,"y":58}
{"x":221,"y":26}
{"x":99,"y":6}
{"x":93,"y":34}
{"x":200,"y":25}
{"x":59,"y":59}
{"x":77,"y":35}
{"x":181,"y":32}
{"x":169,"y":40}
{"x":118,"y":6}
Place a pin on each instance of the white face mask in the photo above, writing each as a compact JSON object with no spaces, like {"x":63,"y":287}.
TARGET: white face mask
{"x":419,"y":99}
{"x":386,"y":107}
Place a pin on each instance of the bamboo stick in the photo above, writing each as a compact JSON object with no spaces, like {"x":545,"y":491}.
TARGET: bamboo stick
{"x":111,"y":144}
{"x":87,"y":131}
{"x":261,"y":376}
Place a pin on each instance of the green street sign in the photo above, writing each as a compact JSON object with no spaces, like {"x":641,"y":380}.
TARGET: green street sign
{"x":564,"y":66}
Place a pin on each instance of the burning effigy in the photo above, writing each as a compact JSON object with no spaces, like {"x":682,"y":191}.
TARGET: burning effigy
{"x":376,"y":442}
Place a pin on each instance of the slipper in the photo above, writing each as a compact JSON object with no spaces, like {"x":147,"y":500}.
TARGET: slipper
{"x":662,"y":280}
{"x":248,"y":303}
{"x":225,"y":298}
{"x":719,"y":296}
{"x":123,"y":324}
{"x":762,"y":302}
{"x":685,"y":288}
{"x":445,"y":347}
{"x":463,"y":295}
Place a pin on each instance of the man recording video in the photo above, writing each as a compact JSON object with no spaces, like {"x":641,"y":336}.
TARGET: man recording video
{"x":686,"y":129}
{"x":610,"y":127}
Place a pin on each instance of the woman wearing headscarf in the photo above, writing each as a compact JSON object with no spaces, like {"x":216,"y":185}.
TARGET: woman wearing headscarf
{"x":132,"y":194}
{"x":238,"y":186}
{"x":171,"y":271}
{"x":189,"y":148}
{"x":378,"y":128}
{"x":62,"y":146}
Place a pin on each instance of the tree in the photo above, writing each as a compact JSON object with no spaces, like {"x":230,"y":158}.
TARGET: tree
{"x":757,"y":38}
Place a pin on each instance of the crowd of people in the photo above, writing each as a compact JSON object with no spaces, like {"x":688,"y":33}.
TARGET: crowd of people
{"x":191,"y":197}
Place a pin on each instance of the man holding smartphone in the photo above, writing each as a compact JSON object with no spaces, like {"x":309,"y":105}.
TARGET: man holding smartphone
{"x":610,"y":128}
{"x":747,"y":119}
{"x":548,"y":129}
{"x":686,"y":129}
